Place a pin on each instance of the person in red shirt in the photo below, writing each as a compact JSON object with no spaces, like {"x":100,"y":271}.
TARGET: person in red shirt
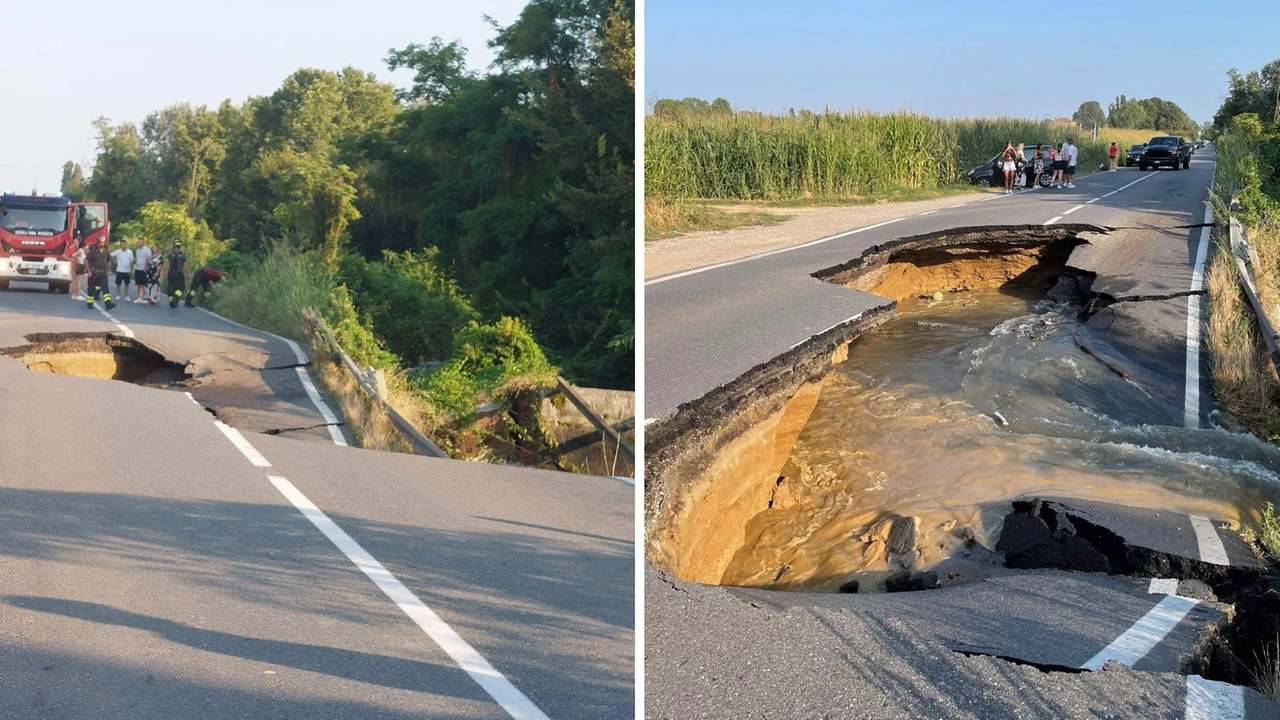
{"x":203,"y":279}
{"x":1112,"y":154}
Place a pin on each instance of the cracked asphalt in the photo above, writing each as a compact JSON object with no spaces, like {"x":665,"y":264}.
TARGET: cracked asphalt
{"x":1011,"y":643}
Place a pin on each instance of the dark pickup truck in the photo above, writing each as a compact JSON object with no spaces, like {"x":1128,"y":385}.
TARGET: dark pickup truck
{"x":1168,"y":150}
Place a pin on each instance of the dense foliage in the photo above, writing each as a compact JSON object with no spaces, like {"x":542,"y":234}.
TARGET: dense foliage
{"x":1248,"y":125}
{"x":461,"y":199}
{"x":1150,"y":113}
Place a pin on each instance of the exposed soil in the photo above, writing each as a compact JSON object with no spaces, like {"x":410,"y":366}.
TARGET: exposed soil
{"x":104,"y":356}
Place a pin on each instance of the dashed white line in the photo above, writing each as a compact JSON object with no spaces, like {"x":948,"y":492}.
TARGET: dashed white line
{"x":771,"y":253}
{"x":1191,"y":397}
{"x":241,"y":444}
{"x":1053,"y":220}
{"x":123,"y":328}
{"x":1068,"y":212}
{"x":952,"y":207}
{"x":1134,"y":643}
{"x":1213,"y":700}
{"x":499,"y":688}
{"x":1211,"y":548}
{"x":1090,"y":202}
{"x":928,"y":212}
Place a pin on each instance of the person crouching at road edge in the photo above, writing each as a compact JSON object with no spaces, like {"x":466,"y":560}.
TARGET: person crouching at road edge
{"x":177,"y":273}
{"x":98,"y":261}
{"x":203,"y":280}
{"x":124,"y":269}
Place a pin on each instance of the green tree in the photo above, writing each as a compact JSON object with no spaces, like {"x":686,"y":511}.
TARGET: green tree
{"x":1126,"y":113}
{"x":1089,"y":114}
{"x":163,"y":223}
{"x":73,"y":185}
{"x":123,"y":175}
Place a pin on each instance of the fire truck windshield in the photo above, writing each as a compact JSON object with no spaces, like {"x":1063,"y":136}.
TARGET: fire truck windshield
{"x":32,"y":220}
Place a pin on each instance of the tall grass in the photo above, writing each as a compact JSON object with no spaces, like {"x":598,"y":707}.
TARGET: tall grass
{"x":272,"y":293}
{"x":749,"y":156}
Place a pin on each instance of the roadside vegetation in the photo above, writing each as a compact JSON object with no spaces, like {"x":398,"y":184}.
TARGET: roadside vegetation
{"x":470,"y":235}
{"x":1248,"y":172}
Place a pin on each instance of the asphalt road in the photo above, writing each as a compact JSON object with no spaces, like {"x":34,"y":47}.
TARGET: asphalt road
{"x":704,"y":328}
{"x":152,"y":568}
{"x":1007,"y":643}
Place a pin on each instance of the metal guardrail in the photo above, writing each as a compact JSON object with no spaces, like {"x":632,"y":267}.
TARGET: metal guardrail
{"x":1246,"y":259}
{"x":373,"y":385}
{"x":618,"y":441}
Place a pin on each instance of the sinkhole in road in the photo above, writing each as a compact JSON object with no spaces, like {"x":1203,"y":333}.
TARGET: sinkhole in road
{"x":986,"y":386}
{"x":105,"y":356}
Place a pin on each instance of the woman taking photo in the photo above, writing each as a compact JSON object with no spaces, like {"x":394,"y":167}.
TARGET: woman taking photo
{"x":1009,"y":160}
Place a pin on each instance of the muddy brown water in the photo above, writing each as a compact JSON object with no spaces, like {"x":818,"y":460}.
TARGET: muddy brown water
{"x":952,"y":409}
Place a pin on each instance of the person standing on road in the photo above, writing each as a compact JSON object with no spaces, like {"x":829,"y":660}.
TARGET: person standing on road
{"x":1059,"y":165}
{"x":98,"y":261}
{"x":203,"y":279}
{"x":153,"y":274}
{"x":1037,"y":166}
{"x":78,"y":269}
{"x":1072,"y":155}
{"x":1112,"y":154}
{"x":177,"y":275}
{"x":124,"y":268}
{"x":1020,"y":162}
{"x":1009,"y":163}
{"x":141,"y":257}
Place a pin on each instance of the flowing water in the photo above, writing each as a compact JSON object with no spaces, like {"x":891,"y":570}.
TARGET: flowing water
{"x":954,"y":408}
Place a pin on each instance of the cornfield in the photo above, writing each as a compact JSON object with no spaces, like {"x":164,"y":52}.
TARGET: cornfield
{"x":750,"y":156}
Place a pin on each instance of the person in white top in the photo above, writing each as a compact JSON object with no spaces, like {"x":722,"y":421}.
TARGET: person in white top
{"x":124,"y":269}
{"x":1073,"y":154}
{"x":141,"y":256}
{"x":77,"y":270}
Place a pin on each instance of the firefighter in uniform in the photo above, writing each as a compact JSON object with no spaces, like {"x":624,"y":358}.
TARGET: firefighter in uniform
{"x":177,"y":260}
{"x":203,"y":279}
{"x":97,"y":261}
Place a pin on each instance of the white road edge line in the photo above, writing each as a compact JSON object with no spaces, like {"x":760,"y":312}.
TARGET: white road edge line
{"x":833,"y":327}
{"x":928,"y":212}
{"x":1213,"y":700}
{"x":1211,"y":548}
{"x":241,"y":444}
{"x":471,"y":661}
{"x":1191,"y":399}
{"x":123,"y":328}
{"x":771,"y":253}
{"x":627,"y":480}
{"x":1134,"y":643}
{"x":952,"y":207}
{"x":1068,"y":212}
{"x":1090,"y":202}
{"x":1053,"y":220}
{"x":330,"y":417}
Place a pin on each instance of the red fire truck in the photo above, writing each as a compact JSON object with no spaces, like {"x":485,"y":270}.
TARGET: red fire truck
{"x":38,"y":235}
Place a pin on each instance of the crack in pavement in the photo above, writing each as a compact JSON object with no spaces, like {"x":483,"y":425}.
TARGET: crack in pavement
{"x":277,"y":431}
{"x":1046,"y":668}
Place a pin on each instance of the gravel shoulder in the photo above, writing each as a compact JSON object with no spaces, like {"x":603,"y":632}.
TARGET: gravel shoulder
{"x":699,"y":249}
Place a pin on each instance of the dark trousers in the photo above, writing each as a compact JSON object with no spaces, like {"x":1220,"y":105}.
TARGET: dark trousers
{"x":199,"y":281}
{"x":98,"y":283}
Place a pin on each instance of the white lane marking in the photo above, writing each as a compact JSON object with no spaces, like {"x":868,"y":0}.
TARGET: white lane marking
{"x":1213,"y":700}
{"x":1191,"y":398}
{"x":241,"y":444}
{"x":1135,"y":182}
{"x":1068,"y":212}
{"x":627,"y":480}
{"x":771,"y":253}
{"x":1053,"y":220}
{"x":1211,"y":548}
{"x":330,"y":417}
{"x":1113,"y":192}
{"x":127,"y":332}
{"x":1134,"y":643}
{"x":475,"y":665}
{"x":649,"y":421}
{"x":950,"y":207}
{"x":928,"y":212}
{"x":1090,"y":202}
{"x":334,"y":432}
{"x":1163,"y":586}
{"x":833,"y":327}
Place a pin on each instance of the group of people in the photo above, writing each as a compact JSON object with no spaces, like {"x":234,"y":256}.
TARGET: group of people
{"x":141,"y":267}
{"x":1062,"y":162}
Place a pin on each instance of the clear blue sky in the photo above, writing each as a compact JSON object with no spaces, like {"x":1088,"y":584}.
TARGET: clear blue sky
{"x":68,"y":62}
{"x":951,"y":58}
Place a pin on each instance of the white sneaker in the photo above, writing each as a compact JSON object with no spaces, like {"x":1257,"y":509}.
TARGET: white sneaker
{"x":1071,"y":185}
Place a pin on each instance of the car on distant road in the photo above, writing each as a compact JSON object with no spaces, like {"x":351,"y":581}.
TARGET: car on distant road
{"x":991,"y":173}
{"x":1135,"y":152}
{"x":1169,"y":150}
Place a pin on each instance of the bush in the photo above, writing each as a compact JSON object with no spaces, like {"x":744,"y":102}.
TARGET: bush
{"x":272,"y":292}
{"x":353,"y":333}
{"x":488,"y":360}
{"x":163,"y":223}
